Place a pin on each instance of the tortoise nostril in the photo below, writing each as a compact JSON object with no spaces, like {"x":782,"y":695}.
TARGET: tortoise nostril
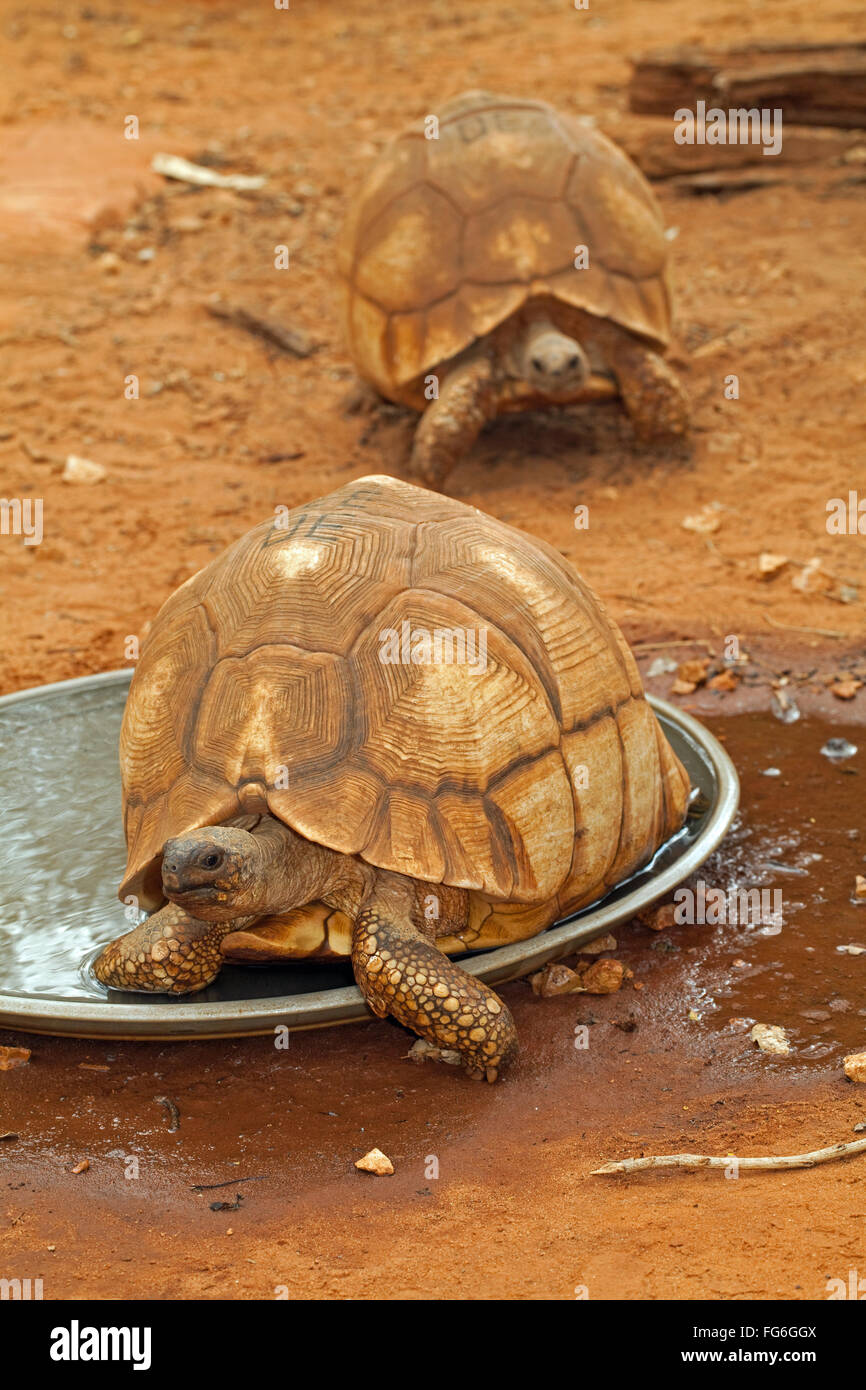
{"x":573,"y":362}
{"x":537,"y":364}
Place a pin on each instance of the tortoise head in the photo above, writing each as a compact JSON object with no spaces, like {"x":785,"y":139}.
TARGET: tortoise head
{"x":553,"y":363}
{"x":213,"y":873}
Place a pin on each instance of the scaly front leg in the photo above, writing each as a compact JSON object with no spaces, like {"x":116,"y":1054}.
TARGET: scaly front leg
{"x":170,"y":953}
{"x":650,"y":389}
{"x":468,"y":399}
{"x":401,"y":971}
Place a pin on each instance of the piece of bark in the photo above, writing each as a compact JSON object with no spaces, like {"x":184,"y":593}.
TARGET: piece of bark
{"x":813,"y":84}
{"x":648,"y":140}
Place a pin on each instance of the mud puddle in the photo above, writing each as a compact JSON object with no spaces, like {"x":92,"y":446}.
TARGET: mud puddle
{"x":798,"y":844}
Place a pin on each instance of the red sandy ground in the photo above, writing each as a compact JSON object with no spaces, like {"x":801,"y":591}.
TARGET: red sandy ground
{"x":770,"y":286}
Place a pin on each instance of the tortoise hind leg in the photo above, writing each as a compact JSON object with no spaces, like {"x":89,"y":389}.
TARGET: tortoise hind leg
{"x":401,"y":971}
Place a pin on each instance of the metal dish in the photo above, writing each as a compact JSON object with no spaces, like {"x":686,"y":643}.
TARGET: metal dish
{"x":60,"y":806}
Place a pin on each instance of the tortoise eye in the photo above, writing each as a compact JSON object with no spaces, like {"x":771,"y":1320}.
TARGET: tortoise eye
{"x":212,"y":861}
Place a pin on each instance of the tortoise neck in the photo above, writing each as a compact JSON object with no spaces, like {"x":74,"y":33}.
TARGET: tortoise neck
{"x":291,"y":871}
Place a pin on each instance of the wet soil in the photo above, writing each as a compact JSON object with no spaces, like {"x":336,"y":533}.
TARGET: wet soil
{"x":105,"y":273}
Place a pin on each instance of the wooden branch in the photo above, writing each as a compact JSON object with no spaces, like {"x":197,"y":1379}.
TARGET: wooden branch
{"x":813,"y":84}
{"x":808,"y":1160}
{"x":648,"y":140}
{"x":286,"y":339}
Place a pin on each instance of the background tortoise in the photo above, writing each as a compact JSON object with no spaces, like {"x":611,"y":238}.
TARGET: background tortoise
{"x":458,"y":260}
{"x":306,"y":773}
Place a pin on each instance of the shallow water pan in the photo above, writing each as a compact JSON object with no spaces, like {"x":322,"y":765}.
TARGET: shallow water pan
{"x":64,"y":857}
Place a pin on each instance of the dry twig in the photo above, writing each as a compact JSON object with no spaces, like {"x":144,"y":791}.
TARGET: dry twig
{"x":792,"y":627}
{"x":286,"y":339}
{"x":808,"y":1160}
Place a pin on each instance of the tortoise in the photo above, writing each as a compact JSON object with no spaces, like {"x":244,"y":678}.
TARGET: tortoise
{"x":382,"y":725}
{"x":515,"y":261}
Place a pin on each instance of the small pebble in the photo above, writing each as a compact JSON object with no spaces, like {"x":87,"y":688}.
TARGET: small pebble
{"x":662,"y":666}
{"x":375,"y":1162}
{"x":694,"y":671}
{"x":855,"y":1066}
{"x":554,"y":979}
{"x":724,"y":681}
{"x":770,"y":563}
{"x":424,"y":1051}
{"x":79,"y":470}
{"x":660,"y":918}
{"x":11,"y":1057}
{"x":771,"y":772}
{"x":847,"y":689}
{"x":596,"y":947}
{"x":605,"y":976}
{"x":769,"y":1037}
